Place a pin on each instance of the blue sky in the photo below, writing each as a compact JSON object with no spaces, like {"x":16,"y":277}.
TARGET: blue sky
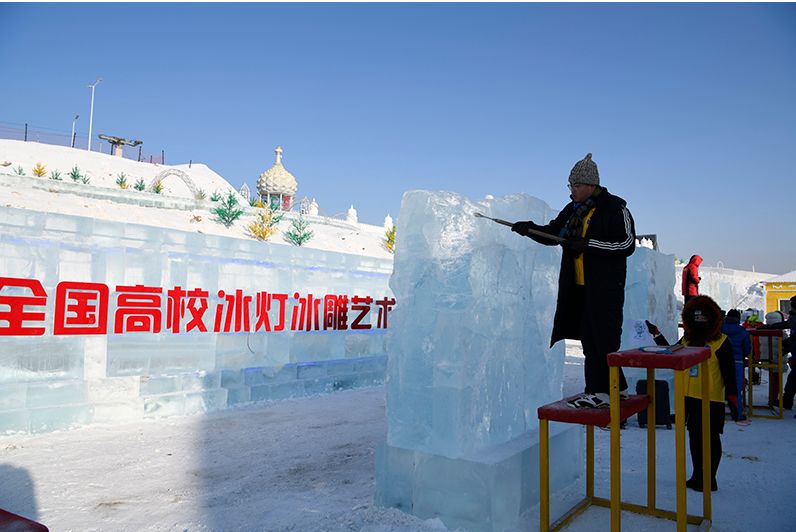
{"x":689,"y":109}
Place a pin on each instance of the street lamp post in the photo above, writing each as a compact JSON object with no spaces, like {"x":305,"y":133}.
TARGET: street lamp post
{"x":72,"y":139}
{"x":91,"y":114}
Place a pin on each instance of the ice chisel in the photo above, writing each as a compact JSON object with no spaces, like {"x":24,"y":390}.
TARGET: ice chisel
{"x":531,"y":231}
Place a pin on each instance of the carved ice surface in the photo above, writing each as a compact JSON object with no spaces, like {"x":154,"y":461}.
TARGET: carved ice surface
{"x":469,"y":361}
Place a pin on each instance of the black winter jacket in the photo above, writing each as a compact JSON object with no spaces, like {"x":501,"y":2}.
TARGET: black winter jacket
{"x":611,"y":238}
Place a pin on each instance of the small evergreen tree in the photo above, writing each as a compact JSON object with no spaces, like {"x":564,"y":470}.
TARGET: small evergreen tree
{"x":389,"y":239}
{"x":215,"y":196}
{"x":75,"y":174}
{"x":228,"y":211}
{"x":121,"y":180}
{"x":299,"y":232}
{"x":200,"y":194}
{"x":55,"y":175}
{"x":265,"y":223}
{"x":157,"y":187}
{"x":39,"y":170}
{"x":85,"y":180}
{"x":258,"y":204}
{"x":140,"y":185}
{"x":19,"y":170}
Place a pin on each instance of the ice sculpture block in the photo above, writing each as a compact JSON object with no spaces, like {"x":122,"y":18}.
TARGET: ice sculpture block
{"x":469,"y":362}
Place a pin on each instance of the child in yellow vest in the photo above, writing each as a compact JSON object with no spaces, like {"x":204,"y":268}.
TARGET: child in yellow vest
{"x":702,"y":322}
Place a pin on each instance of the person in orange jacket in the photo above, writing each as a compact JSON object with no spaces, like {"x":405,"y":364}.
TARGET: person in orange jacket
{"x":702,"y":323}
{"x":691,"y":278}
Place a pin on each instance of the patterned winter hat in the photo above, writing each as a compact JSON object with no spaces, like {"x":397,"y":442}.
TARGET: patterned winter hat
{"x":585,"y":172}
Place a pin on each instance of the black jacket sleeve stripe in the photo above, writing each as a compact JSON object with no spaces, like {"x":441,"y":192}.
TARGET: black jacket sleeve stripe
{"x":625,"y":244}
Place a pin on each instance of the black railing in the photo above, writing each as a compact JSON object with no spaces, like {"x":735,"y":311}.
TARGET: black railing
{"x":45,"y":135}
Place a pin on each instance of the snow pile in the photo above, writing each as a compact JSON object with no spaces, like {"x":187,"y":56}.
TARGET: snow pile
{"x":175,"y":208}
{"x":103,"y":169}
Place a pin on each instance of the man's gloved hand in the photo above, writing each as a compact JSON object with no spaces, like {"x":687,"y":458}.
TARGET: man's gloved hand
{"x":652,"y":328}
{"x":733,"y":403}
{"x":521,"y":228}
{"x":577,"y":245}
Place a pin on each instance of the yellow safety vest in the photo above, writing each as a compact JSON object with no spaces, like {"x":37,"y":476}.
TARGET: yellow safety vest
{"x":580,"y":278}
{"x":693,"y":382}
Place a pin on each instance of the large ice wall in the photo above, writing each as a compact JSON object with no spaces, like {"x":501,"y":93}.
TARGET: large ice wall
{"x":729,"y":288}
{"x":469,"y":362}
{"x":53,"y":382}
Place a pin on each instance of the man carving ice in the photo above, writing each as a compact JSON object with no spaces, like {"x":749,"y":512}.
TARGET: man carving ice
{"x":599,"y":235}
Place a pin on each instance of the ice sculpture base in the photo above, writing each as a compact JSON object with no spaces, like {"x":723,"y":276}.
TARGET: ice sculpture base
{"x":493,"y":490}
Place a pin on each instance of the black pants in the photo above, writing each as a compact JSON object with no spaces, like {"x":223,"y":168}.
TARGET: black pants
{"x":693,"y":422}
{"x":686,"y":299}
{"x":790,"y":385}
{"x":598,"y":338}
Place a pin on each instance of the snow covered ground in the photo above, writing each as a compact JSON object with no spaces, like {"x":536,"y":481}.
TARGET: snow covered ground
{"x":308,"y":465}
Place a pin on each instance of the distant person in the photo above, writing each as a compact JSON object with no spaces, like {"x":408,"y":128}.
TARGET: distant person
{"x":691,"y":278}
{"x":741,"y":348}
{"x":600,"y":235}
{"x":788,"y":346}
{"x":702,"y":325}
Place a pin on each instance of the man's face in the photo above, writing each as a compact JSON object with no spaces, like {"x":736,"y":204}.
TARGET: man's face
{"x":581,"y":192}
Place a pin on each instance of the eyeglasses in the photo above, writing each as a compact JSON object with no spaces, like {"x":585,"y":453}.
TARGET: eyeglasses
{"x":574,"y":186}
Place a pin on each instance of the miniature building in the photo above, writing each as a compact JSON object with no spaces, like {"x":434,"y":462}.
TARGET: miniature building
{"x":277,"y":183}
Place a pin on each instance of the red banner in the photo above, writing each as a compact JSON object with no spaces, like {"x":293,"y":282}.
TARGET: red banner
{"x":83,"y":308}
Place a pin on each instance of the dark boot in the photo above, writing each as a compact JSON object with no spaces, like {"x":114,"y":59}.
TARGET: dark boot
{"x":696,"y":484}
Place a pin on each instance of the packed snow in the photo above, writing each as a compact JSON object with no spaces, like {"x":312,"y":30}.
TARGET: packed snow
{"x":307,"y":464}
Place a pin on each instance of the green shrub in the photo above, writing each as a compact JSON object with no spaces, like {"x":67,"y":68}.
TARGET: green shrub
{"x":75,"y":174}
{"x":157,"y":186}
{"x":299,"y":233}
{"x":140,"y":185}
{"x":121,"y":180}
{"x":227,"y":212}
{"x":55,"y":175}
{"x":19,"y":170}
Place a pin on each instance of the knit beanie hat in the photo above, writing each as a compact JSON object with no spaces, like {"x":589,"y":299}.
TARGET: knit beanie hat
{"x":585,"y":172}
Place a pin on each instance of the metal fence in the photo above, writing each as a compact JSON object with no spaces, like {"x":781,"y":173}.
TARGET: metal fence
{"x":45,"y":135}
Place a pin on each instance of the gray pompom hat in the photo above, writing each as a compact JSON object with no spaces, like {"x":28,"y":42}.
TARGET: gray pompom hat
{"x":585,"y":172}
